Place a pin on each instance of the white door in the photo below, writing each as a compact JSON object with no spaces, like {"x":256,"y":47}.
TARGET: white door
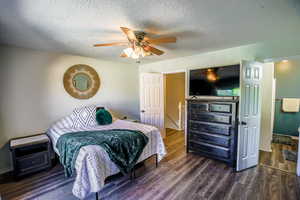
{"x":249,"y":115}
{"x":152,"y":100}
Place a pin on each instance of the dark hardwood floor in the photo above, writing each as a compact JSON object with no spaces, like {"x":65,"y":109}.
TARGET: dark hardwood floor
{"x":179,"y":176}
{"x":276,"y":160}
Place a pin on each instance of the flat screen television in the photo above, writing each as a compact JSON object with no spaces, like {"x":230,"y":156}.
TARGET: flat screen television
{"x":217,"y":81}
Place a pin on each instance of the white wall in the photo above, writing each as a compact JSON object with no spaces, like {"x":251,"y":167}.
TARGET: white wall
{"x":260,"y":51}
{"x":33,"y":96}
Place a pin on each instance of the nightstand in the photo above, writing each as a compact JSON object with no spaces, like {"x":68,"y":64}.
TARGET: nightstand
{"x":30,"y":154}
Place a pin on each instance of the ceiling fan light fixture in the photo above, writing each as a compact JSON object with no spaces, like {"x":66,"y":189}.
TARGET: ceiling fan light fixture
{"x":135,"y":56}
{"x":146,"y":53}
{"x":131,"y":53}
{"x":128,"y":51}
{"x":138,"y":44}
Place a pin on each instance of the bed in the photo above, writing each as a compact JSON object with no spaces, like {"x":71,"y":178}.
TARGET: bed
{"x":93,"y":164}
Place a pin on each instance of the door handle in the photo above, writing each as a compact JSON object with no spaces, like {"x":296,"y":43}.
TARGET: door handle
{"x":243,"y":123}
{"x":142,"y":111}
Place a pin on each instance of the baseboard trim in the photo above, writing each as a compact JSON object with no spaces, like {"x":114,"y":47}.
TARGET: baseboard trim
{"x":177,"y":129}
{"x":266,"y":150}
{"x":5,"y":170}
{"x":283,"y":134}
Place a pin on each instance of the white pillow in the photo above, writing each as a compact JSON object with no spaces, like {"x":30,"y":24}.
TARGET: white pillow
{"x":85,"y":116}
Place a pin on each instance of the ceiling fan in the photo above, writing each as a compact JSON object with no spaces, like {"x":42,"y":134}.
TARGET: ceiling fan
{"x":139,"y":45}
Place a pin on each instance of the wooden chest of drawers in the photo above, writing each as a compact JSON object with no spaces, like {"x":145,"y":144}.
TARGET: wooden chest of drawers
{"x":212,"y":129}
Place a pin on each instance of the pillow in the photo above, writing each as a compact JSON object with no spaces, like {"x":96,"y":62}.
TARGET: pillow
{"x":65,"y":122}
{"x":85,"y":116}
{"x":113,"y":114}
{"x":103,"y":117}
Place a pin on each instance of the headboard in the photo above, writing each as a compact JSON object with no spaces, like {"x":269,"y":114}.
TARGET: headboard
{"x":98,"y":108}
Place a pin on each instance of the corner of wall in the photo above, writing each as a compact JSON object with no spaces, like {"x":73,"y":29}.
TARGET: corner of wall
{"x":5,"y":165}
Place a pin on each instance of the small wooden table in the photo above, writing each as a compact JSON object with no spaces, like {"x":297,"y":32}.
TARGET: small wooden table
{"x":30,"y":154}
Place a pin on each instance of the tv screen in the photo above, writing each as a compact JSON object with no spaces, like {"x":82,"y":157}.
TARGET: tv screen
{"x":217,"y":81}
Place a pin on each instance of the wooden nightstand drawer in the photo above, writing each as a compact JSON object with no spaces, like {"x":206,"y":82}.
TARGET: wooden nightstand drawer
{"x":32,"y":149}
{"x":32,"y":162}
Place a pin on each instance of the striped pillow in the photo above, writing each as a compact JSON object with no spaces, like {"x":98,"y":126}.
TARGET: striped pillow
{"x":85,"y":116}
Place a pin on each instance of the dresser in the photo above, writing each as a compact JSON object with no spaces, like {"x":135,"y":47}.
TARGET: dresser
{"x":212,"y":129}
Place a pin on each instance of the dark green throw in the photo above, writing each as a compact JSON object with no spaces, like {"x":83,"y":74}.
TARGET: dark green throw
{"x":124,"y":147}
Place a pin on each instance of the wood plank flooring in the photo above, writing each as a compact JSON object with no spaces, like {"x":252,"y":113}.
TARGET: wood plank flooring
{"x":179,"y":176}
{"x":276,"y":160}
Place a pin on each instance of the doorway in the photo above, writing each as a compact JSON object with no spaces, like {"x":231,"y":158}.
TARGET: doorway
{"x":162,"y":95}
{"x":174,"y":101}
{"x":285,"y":121}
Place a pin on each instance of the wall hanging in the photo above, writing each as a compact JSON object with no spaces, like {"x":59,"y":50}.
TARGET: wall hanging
{"x":81,"y":81}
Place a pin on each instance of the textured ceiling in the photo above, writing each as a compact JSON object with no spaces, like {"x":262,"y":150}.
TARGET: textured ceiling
{"x":73,"y":26}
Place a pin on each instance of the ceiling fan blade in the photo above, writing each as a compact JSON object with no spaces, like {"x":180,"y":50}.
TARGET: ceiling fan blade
{"x":111,"y":44}
{"x":130,"y":34}
{"x":153,"y":50}
{"x":161,"y":40}
{"x":123,"y":55}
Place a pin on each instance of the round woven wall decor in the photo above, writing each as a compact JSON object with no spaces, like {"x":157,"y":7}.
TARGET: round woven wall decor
{"x":81,"y":81}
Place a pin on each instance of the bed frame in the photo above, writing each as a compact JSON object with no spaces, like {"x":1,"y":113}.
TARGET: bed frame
{"x":132,"y":173}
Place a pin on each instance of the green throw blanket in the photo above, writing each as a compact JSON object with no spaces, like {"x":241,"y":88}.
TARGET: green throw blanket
{"x":124,"y":147}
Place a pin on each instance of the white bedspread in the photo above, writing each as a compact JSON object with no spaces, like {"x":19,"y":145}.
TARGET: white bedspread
{"x":93,"y":164}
